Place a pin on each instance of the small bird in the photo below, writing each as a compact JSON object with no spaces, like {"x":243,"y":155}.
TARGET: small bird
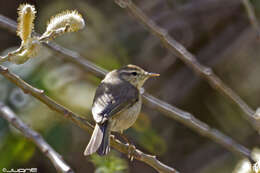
{"x":116,"y":106}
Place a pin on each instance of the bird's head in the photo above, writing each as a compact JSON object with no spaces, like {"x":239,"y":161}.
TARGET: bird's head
{"x":135,"y":75}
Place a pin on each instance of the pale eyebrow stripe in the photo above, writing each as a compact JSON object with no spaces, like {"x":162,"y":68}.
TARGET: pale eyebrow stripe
{"x":126,"y":71}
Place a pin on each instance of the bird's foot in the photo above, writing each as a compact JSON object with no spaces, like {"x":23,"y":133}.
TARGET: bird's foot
{"x":131,"y":151}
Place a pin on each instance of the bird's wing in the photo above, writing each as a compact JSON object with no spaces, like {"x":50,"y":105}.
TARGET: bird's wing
{"x":112,"y":99}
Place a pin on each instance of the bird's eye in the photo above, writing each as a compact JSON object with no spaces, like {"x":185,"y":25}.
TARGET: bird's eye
{"x":134,"y":73}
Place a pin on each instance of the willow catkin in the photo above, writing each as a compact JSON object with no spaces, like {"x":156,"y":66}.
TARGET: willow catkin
{"x":71,"y":20}
{"x":26,"y":16}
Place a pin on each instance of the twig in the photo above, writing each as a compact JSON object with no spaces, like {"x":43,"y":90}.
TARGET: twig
{"x":251,"y":15}
{"x":169,"y":110}
{"x":4,"y":59}
{"x":9,"y":56}
{"x":202,"y":128}
{"x":39,"y":94}
{"x":188,"y":58}
{"x":55,"y":158}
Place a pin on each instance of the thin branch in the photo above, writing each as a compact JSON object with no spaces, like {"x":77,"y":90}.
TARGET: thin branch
{"x":251,"y":15}
{"x":11,"y":54}
{"x":176,"y":48}
{"x":202,"y":128}
{"x":172,"y":112}
{"x":4,"y":59}
{"x":55,"y":158}
{"x":39,"y":94}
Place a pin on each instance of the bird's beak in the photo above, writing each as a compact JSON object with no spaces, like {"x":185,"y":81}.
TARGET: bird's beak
{"x":153,"y":74}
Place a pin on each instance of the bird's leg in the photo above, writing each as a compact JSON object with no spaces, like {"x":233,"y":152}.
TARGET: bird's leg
{"x":124,"y":137}
{"x":131,"y":146}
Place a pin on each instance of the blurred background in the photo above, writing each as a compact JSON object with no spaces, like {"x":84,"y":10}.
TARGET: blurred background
{"x":216,"y":31}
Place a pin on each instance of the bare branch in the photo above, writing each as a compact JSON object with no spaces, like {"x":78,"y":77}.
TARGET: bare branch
{"x":4,"y":59}
{"x":251,"y":15}
{"x":168,"y":110}
{"x":202,"y":128}
{"x":176,"y":48}
{"x":39,"y":94}
{"x":55,"y":158}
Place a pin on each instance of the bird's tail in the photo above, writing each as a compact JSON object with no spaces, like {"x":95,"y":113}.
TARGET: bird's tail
{"x":104,"y":148}
{"x":99,"y":141}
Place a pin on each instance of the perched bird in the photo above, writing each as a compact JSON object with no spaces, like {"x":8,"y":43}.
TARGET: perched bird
{"x":116,"y":106}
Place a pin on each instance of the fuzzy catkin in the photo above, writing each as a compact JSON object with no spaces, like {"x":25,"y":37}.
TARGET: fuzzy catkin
{"x":26,"y":13}
{"x":71,"y":19}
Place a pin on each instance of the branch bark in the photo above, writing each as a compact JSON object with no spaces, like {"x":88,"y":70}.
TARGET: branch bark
{"x":172,"y":112}
{"x":251,"y":15}
{"x":189,"y":59}
{"x":3,"y":59}
{"x":46,"y":149}
{"x":84,"y":124}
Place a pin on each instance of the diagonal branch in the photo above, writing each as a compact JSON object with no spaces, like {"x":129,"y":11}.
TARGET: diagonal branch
{"x":251,"y":15}
{"x":39,"y":94}
{"x":55,"y":158}
{"x":200,"y":127}
{"x":4,"y":59}
{"x":189,"y":59}
{"x":168,"y":110}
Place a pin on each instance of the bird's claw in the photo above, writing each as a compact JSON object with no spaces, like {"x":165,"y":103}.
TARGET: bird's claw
{"x":131,"y":151}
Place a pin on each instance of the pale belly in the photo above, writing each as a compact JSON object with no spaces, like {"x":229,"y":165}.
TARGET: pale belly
{"x":126,"y":119}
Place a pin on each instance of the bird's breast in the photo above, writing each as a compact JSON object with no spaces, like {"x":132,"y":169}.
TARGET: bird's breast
{"x":126,"y":118}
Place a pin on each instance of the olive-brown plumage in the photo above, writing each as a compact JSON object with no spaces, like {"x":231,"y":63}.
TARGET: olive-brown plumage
{"x":116,"y":106}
